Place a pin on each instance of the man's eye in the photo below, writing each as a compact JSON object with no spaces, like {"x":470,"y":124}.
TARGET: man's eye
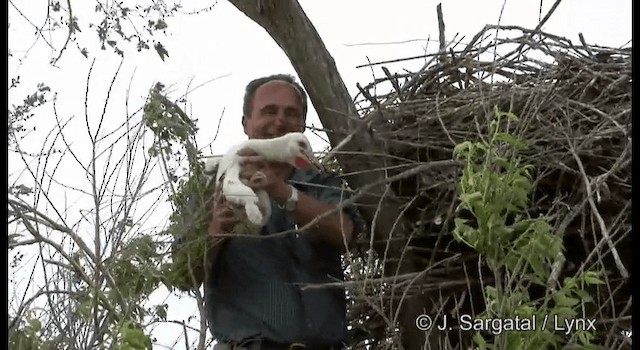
{"x":269,"y":112}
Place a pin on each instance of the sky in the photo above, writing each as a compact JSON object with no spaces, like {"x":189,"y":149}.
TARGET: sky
{"x":213,"y":55}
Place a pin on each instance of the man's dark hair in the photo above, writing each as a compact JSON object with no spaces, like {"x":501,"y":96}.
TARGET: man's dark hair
{"x":251,"y":88}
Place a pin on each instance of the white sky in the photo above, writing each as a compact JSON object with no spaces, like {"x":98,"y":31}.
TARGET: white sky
{"x":225,"y":43}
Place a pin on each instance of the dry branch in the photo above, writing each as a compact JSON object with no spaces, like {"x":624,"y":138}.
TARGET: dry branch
{"x":574,"y":104}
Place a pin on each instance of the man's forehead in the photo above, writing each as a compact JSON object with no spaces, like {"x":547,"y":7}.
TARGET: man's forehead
{"x":276,"y":86}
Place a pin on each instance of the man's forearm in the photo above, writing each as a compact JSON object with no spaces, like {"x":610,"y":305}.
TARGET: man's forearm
{"x":335,"y":228}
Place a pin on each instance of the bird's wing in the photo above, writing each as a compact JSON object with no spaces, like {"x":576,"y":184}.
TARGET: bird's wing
{"x":240,"y":194}
{"x":211,"y":167}
{"x":269,"y":149}
{"x":211,"y":163}
{"x":227,"y":161}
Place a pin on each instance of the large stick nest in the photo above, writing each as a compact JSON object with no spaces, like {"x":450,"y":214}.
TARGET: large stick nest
{"x":574,"y":108}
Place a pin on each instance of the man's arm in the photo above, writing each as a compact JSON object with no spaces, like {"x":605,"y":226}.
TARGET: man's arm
{"x":335,"y":228}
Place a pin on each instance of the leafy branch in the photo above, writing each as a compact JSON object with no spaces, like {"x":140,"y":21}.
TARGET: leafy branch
{"x":520,"y":250}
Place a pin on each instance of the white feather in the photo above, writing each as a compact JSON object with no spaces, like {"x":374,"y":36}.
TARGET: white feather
{"x":283,"y":149}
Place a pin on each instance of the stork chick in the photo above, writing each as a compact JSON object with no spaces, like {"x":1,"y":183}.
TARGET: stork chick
{"x":292,"y":148}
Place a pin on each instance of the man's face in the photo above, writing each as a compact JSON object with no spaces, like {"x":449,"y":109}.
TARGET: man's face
{"x":275,"y":111}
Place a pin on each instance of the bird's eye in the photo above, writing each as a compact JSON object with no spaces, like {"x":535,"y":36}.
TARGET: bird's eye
{"x":302,"y":145}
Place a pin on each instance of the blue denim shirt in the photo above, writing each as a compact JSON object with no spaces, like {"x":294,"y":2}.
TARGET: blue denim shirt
{"x":254,"y":289}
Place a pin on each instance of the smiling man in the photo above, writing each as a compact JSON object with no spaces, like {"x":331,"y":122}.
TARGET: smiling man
{"x":254,"y":286}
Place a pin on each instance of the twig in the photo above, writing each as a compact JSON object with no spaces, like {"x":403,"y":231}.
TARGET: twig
{"x":394,"y":81}
{"x":76,"y":267}
{"x":25,"y":305}
{"x":71,"y":30}
{"x":19,"y":209}
{"x":186,"y":336}
{"x":594,"y":209}
{"x":441,"y":37}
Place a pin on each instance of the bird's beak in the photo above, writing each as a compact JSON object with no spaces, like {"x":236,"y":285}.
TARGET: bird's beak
{"x":307,"y":159}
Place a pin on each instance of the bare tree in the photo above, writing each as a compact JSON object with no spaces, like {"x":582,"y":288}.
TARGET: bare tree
{"x":87,"y":216}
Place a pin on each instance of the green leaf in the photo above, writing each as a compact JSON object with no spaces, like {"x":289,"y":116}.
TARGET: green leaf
{"x":483,"y":146}
{"x":537,"y":266}
{"x":162,"y":52}
{"x":465,"y":233}
{"x":507,"y":138}
{"x":563,"y":300}
{"x":485,"y":345}
{"x":584,"y":295}
{"x":490,"y":293}
{"x":480,"y":341}
{"x":160,"y":24}
{"x":161,"y":311}
{"x":570,"y":283}
{"x":524,"y":311}
{"x":36,"y":325}
{"x":133,"y":337}
{"x":471,"y":198}
{"x":592,"y":277}
{"x":22,"y":189}
{"x":512,"y":116}
{"x":584,"y":337}
{"x":462,"y":149}
{"x":493,"y":126}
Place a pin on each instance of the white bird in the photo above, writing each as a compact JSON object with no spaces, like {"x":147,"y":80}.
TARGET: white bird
{"x":292,"y":148}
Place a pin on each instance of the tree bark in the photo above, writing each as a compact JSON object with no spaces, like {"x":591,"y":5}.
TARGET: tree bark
{"x":289,"y":26}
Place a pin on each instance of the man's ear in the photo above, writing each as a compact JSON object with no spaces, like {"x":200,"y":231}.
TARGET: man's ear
{"x":244,"y":124}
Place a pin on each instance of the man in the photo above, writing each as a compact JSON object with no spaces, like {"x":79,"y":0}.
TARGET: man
{"x":255,"y":291}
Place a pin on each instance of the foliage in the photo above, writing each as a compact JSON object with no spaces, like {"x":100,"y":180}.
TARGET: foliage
{"x":101,"y":296}
{"x":169,"y":124}
{"x":188,"y":226}
{"x":133,"y":338}
{"x":19,"y":114}
{"x":135,"y":270}
{"x":494,"y":188}
{"x":27,"y":336}
{"x":191,"y":199}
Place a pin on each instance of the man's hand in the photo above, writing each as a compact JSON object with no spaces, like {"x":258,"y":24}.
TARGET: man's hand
{"x":223,"y":217}
{"x":260,"y":174}
{"x":257,"y":173}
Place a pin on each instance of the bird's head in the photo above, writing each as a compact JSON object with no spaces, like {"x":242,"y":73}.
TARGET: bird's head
{"x":292,"y":148}
{"x":297,"y":151}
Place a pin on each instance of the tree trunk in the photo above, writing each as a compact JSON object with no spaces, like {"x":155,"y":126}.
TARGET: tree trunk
{"x":288,"y":25}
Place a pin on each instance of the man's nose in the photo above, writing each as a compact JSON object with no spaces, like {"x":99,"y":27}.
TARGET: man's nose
{"x":280,"y":118}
